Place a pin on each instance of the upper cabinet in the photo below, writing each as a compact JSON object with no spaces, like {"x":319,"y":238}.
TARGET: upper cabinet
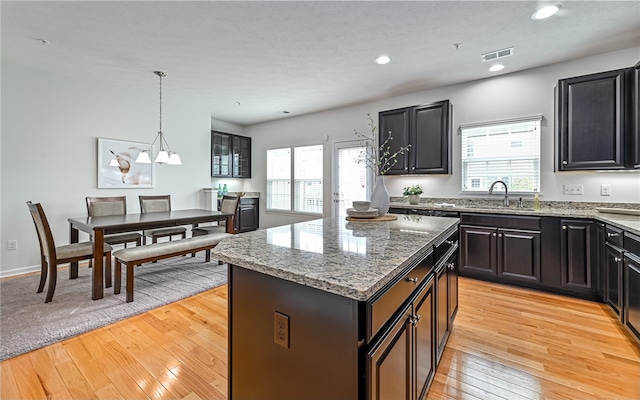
{"x":596,"y":121}
{"x":635,"y":116}
{"x":230,"y":155}
{"x":427,"y":128}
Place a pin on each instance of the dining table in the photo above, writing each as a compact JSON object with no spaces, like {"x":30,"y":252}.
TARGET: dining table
{"x":98,"y":227}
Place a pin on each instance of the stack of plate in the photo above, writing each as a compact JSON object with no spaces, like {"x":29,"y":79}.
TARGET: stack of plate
{"x":370,"y":213}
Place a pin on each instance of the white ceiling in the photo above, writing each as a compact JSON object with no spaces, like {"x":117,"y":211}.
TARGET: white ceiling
{"x":302,"y":56}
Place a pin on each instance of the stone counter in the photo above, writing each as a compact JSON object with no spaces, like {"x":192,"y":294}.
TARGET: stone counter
{"x":351,"y":259}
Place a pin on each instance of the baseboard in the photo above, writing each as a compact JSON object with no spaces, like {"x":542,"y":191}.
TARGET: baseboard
{"x":19,"y":271}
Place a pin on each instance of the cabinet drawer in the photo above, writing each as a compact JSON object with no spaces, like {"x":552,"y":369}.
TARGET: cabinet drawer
{"x":501,"y":221}
{"x":632,"y":243}
{"x":248,"y":201}
{"x":440,"y":249}
{"x":385,"y":304}
{"x":614,"y":235}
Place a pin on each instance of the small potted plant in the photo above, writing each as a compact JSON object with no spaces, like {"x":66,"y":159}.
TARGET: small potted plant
{"x":413,"y":193}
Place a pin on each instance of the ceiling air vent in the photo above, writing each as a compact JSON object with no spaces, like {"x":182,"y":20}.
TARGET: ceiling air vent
{"x":494,"y":55}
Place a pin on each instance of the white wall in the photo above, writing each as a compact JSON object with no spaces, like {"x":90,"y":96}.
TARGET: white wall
{"x":49,"y":151}
{"x":500,"y":97}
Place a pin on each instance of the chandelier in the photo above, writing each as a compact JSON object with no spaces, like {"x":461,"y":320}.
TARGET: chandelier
{"x":164,"y":156}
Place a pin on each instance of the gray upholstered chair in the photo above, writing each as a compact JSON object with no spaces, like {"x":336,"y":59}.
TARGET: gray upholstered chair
{"x":159,"y":204}
{"x":52,"y":256}
{"x":103,"y":206}
{"x":229,"y":204}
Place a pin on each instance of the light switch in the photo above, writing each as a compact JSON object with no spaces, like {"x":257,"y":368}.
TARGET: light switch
{"x":605,"y":190}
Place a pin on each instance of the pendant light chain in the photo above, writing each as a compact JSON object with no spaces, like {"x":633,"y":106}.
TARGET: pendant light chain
{"x":161,"y":74}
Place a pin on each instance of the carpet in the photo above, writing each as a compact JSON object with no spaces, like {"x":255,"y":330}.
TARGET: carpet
{"x":27,"y":323}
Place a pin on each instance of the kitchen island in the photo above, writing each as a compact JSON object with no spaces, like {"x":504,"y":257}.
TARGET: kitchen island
{"x":335,"y":309}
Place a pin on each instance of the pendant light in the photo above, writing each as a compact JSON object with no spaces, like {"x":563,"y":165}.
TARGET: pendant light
{"x":164,"y":156}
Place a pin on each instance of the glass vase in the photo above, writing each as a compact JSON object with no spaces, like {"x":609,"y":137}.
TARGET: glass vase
{"x":380,"y":196}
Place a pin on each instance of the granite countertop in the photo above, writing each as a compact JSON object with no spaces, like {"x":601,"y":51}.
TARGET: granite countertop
{"x":351,"y":259}
{"x":630,"y":223}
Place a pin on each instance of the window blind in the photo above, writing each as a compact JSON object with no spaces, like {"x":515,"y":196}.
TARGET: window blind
{"x":507,"y":150}
{"x":279,"y":179}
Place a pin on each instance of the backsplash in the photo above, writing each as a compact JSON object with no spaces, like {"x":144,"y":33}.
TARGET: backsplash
{"x":513,"y":203}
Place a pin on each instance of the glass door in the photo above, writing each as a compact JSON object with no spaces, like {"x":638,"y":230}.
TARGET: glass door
{"x":352,"y":180}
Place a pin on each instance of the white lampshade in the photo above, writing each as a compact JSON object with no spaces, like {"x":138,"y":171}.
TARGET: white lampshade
{"x":174,"y":159}
{"x":143,"y":158}
{"x":114,"y":163}
{"x":163,"y":157}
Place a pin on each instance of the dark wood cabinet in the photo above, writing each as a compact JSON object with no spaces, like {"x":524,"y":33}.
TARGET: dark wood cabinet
{"x":395,"y":124}
{"x":442,"y":310}
{"x":241,"y":154}
{"x":631,"y":284}
{"x":635,"y":115}
{"x":248,"y":215}
{"x":601,"y":258}
{"x":452,"y":279}
{"x":632,"y":294}
{"x":230,"y":155}
{"x":596,"y":121}
{"x":220,"y":154}
{"x":478,"y":250}
{"x":390,"y":362}
{"x":427,"y":128}
{"x":423,"y":343}
{"x":613,"y":279}
{"x":503,"y":253}
{"x":576,"y":255}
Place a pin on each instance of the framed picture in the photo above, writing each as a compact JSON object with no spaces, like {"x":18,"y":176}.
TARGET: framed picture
{"x":117,"y":166}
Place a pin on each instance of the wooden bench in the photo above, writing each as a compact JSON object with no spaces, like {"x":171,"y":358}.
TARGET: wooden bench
{"x":157,"y":251}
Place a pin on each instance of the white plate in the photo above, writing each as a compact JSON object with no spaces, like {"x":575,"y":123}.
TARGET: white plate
{"x":371,"y":213}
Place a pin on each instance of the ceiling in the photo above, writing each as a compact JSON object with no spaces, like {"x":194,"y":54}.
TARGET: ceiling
{"x":247,"y":61}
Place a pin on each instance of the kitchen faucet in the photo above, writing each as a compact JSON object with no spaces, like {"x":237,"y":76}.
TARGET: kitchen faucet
{"x":506,"y":192}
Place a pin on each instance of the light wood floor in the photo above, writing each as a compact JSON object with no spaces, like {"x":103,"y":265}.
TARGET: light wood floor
{"x":507,"y":343}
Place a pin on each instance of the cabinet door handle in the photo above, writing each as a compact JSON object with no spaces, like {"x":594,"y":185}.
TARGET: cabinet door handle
{"x":499,"y":234}
{"x":564,"y":227}
{"x":449,"y":242}
{"x":617,"y":259}
{"x":414,"y":280}
{"x":413,"y":168}
{"x":612,"y":234}
{"x":451,"y":266}
{"x":495,"y":234}
{"x":565,"y":162}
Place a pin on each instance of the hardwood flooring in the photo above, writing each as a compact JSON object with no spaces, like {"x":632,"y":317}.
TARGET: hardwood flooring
{"x":507,"y":343}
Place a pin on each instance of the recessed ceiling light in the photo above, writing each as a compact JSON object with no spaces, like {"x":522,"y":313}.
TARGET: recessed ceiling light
{"x":383,"y":60}
{"x":496,"y":67}
{"x":546,"y":12}
{"x":282,"y":112}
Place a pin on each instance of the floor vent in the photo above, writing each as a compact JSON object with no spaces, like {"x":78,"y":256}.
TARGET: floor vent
{"x":494,"y":55}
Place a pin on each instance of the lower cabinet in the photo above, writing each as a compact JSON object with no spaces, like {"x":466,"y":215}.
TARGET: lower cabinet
{"x":248,"y":215}
{"x":501,"y":252}
{"x":402,"y":359}
{"x":613,"y":274}
{"x":401,"y":364}
{"x":632,"y":294}
{"x":576,"y":255}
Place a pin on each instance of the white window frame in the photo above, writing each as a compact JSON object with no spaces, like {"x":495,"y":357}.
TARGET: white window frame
{"x":293,"y":182}
{"x":467,"y":151}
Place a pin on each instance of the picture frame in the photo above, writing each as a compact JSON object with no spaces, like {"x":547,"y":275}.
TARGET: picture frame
{"x":117,"y":168}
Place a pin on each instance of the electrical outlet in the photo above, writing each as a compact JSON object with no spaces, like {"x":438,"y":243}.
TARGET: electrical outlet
{"x":573,"y":189}
{"x":12,"y":245}
{"x":605,"y":190}
{"x":281,"y":329}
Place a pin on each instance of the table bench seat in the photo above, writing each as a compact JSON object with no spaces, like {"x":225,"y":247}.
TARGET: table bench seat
{"x":157,"y":251}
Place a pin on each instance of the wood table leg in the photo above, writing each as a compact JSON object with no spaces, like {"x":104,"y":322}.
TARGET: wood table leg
{"x":97,"y":282}
{"x":73,"y":268}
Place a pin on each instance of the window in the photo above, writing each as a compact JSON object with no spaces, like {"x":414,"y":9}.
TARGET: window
{"x":302,"y":166}
{"x":508,"y":151}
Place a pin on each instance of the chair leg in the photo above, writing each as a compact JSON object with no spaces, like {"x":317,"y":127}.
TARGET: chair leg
{"x":44,"y":269}
{"x":129,"y":282}
{"x":117,"y":283}
{"x":107,"y":269}
{"x":207,"y":255}
{"x":53,"y":278}
{"x":184,"y":236}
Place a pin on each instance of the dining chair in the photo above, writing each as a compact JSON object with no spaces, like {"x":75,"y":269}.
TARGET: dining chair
{"x":103,"y":206}
{"x":52,"y":256}
{"x":159,"y":204}
{"x":229,"y":204}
